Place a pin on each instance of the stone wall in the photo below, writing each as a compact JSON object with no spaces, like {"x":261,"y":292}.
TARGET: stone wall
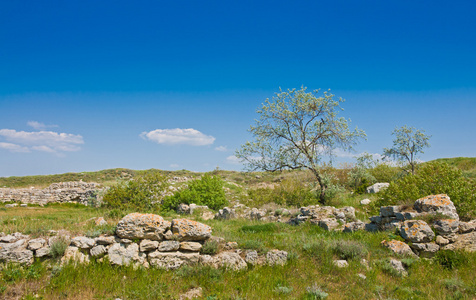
{"x":143,"y":240}
{"x":62,"y":192}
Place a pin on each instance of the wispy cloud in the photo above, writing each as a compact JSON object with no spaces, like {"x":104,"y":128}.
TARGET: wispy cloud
{"x":13,"y":147}
{"x":178,"y":136}
{"x":221,"y":148}
{"x":233,"y":160}
{"x":46,"y":141}
{"x":40,"y":126}
{"x":174,"y":166}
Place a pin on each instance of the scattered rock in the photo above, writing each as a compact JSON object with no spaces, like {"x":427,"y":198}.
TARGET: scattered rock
{"x":225,"y":214}
{"x":100,"y":221}
{"x":328,"y":224}
{"x":341,"y":263}
{"x":398,"y":266}
{"x":416,"y":231}
{"x":425,"y":249}
{"x":251,"y":257}
{"x":398,"y":247}
{"x":354,"y":226}
{"x":276,"y":257}
{"x":377,"y":187}
{"x":365,"y":202}
{"x":437,"y":204}
{"x":362,"y":276}
{"x":191,"y":294}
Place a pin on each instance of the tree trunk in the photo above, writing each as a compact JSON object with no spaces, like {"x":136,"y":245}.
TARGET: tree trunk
{"x":322,"y":185}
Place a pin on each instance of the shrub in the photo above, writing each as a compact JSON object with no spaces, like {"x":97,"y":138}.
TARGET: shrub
{"x":141,"y":193}
{"x":210,"y":248}
{"x":315,"y":292}
{"x":58,"y":247}
{"x":433,"y":178}
{"x":205,"y":191}
{"x":348,"y":249}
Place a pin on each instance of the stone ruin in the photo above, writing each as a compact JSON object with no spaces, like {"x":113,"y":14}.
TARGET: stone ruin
{"x":145,"y":240}
{"x":63,"y":192}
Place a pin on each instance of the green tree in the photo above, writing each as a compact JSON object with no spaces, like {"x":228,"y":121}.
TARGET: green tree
{"x":408,"y":143}
{"x":297,"y":130}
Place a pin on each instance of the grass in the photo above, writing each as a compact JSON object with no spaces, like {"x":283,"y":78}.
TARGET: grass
{"x":313,"y":249}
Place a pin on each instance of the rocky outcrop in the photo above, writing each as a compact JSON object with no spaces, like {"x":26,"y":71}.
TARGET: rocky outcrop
{"x":63,"y":192}
{"x":398,"y":247}
{"x":327,"y":217}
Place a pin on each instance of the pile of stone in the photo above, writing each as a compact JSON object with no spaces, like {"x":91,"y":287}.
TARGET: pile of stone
{"x":420,"y":237}
{"x":63,"y":192}
{"x":141,"y":240}
{"x":327,"y":217}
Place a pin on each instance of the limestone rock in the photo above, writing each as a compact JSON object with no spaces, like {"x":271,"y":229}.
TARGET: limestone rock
{"x":121,"y":254}
{"x":190,"y":246}
{"x":398,"y":247}
{"x":416,"y":231}
{"x":16,"y":252}
{"x":105,"y":240}
{"x":74,"y":255}
{"x":100,"y":221}
{"x":341,"y":263}
{"x":172,"y":260}
{"x":188,"y":230}
{"x":441,"y":240}
{"x":365,"y":202}
{"x":466,"y":227}
{"x":191,"y":294}
{"x":446,"y":227}
{"x":329,"y":224}
{"x":251,"y":257}
{"x":36,"y":244}
{"x":398,"y":266}
{"x":148,"y":245}
{"x":389,"y":211}
{"x":183,"y":209}
{"x":42,"y":252}
{"x":83,"y":242}
{"x":437,"y":204}
{"x":354,"y":226}
{"x":276,"y":257}
{"x":226,"y":214}
{"x":377,"y":187}
{"x":142,"y":226}
{"x":257,"y":214}
{"x":98,"y":251}
{"x":167,"y":246}
{"x":466,"y":242}
{"x":229,"y":260}
{"x":425,"y":249}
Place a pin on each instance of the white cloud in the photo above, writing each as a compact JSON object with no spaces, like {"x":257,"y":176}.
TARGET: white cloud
{"x":233,"y":160}
{"x":221,"y":148}
{"x":39,"y":126}
{"x":46,"y":141}
{"x":177,"y":136}
{"x":174,"y":165}
{"x":13,"y":147}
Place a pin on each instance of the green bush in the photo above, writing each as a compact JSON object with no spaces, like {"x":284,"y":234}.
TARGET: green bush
{"x":58,"y":247}
{"x":141,"y":193}
{"x":205,"y":191}
{"x":348,"y":249}
{"x":433,"y":178}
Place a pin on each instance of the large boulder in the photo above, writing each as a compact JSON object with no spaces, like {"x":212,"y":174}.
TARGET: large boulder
{"x":416,"y":231}
{"x":373,"y":189}
{"x":172,"y":260}
{"x":142,"y":226}
{"x":398,"y":247}
{"x":188,"y":230}
{"x":437,"y":204}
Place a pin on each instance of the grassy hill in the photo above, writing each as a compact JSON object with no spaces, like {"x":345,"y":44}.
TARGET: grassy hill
{"x":465,"y":164}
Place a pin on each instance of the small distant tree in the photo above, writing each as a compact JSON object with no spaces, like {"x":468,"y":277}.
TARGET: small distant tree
{"x":408,"y":143}
{"x":297,"y":130}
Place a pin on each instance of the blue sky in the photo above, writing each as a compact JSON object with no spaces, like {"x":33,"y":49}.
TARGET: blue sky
{"x":83,"y":82}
